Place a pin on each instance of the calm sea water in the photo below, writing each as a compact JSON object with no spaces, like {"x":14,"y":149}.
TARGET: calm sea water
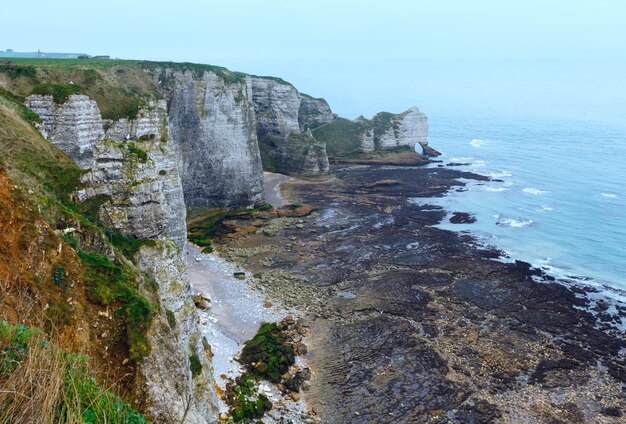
{"x":561,"y":204}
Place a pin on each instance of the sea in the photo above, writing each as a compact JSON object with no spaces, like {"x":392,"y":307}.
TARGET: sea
{"x":556,"y":198}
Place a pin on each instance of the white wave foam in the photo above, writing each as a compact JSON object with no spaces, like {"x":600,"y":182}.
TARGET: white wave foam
{"x":501,"y":174}
{"x":477,"y":143}
{"x":479,"y":164}
{"x":496,"y":189}
{"x":512,"y":222}
{"x":609,"y":195}
{"x":535,"y":191}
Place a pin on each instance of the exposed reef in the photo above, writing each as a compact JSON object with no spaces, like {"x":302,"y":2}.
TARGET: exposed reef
{"x":411,"y":323}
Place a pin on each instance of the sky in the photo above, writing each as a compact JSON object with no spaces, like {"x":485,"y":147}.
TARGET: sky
{"x":364,"y":56}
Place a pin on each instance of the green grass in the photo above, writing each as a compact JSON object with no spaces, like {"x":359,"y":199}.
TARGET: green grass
{"x":96,"y":405}
{"x":342,"y":136}
{"x":111,"y":283}
{"x":33,"y":162}
{"x":128,"y":245}
{"x":59,"y":92}
{"x":17,"y":103}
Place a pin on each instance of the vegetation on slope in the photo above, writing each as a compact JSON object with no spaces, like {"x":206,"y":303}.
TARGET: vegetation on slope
{"x":342,"y":136}
{"x":44,"y":384}
{"x":119,"y":92}
{"x":60,"y":269}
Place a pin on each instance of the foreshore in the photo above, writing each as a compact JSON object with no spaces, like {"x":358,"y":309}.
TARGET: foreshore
{"x":234,"y":310}
{"x":412,"y":323}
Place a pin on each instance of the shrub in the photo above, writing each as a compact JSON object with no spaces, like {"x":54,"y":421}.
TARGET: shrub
{"x":194,"y":365}
{"x":16,"y":71}
{"x":135,"y":150}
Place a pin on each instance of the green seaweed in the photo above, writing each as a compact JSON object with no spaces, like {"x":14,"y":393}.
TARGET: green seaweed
{"x":268,"y":354}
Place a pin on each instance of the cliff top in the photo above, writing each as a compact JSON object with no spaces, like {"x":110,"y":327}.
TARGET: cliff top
{"x":120,"y":87}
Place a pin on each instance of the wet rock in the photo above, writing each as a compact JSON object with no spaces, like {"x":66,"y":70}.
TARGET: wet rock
{"x":612,"y":411}
{"x":462,"y":218}
{"x":294,"y":383}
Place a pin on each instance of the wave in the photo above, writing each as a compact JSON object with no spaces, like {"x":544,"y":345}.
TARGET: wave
{"x":512,"y":222}
{"x":535,"y":191}
{"x":496,"y":189}
{"x":477,"y":143}
{"x":609,"y":195}
{"x":545,"y":208}
{"x":501,"y":174}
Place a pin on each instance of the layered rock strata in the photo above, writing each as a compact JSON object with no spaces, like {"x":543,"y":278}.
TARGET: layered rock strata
{"x":74,"y":126}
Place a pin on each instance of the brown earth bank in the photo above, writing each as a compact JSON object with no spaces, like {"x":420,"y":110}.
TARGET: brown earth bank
{"x":411,"y":323}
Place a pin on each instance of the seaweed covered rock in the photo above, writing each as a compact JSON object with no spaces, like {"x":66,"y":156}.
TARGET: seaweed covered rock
{"x":270,"y":353}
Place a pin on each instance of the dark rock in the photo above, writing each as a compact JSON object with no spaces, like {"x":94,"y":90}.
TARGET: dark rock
{"x":612,"y":411}
{"x":462,"y":218}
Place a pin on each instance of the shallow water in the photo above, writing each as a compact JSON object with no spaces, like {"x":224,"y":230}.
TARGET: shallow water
{"x":561,"y":200}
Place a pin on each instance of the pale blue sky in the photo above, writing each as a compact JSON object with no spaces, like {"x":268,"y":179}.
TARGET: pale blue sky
{"x":362,"y":56}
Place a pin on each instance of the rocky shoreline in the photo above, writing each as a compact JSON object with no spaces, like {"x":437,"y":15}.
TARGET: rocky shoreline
{"x":412,"y":323}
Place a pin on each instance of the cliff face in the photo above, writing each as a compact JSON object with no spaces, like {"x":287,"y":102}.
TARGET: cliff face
{"x":212,"y":122}
{"x":134,"y":175}
{"x":284,"y":117}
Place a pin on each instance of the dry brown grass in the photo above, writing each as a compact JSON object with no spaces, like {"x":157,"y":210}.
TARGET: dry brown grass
{"x":32,"y":391}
